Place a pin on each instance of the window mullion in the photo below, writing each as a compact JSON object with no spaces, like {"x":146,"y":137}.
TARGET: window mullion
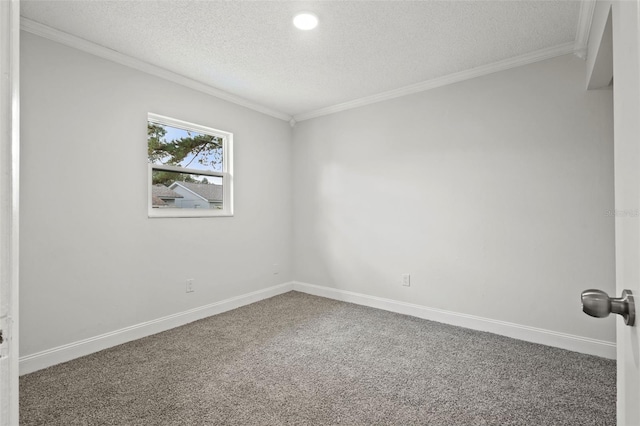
{"x":185,"y":170}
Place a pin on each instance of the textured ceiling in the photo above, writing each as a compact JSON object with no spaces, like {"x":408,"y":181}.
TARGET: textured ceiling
{"x":359,"y":49}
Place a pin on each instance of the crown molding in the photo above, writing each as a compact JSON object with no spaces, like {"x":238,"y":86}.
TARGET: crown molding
{"x":67,"y":39}
{"x":578,"y":47}
{"x":539,"y":55}
{"x":587,"y":7}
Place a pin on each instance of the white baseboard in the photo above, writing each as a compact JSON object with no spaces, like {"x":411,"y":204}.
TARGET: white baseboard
{"x":47,"y":358}
{"x":57,"y":355}
{"x":522,"y":332}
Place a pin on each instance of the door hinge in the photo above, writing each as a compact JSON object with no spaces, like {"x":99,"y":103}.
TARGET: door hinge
{"x":1,"y":336}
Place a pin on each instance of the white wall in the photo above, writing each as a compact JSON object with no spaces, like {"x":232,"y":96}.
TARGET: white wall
{"x":91,"y":260}
{"x":492,"y":193}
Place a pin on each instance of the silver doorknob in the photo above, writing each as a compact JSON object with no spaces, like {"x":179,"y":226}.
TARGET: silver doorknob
{"x":598,"y":304}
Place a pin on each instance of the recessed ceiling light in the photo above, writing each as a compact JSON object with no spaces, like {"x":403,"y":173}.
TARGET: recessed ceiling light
{"x":305,"y":21}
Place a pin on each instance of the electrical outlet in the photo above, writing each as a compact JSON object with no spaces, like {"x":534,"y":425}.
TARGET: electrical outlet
{"x":406,"y":280}
{"x":189,"y":288}
{"x":276,"y":269}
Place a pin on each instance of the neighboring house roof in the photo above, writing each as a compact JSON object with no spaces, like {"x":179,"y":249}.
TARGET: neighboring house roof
{"x":157,"y":201}
{"x":208,"y":191}
{"x":162,"y":192}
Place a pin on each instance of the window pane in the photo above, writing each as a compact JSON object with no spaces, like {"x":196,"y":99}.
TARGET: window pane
{"x":185,"y":191}
{"x":172,"y":146}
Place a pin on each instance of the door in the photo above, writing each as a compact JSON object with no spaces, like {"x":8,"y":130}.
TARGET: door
{"x":626,"y":113}
{"x":9,"y":177}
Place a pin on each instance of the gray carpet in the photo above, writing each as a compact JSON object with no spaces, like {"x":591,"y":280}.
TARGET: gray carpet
{"x":305,"y":360}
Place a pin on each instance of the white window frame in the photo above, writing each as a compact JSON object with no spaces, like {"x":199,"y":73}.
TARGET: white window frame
{"x":226,"y":174}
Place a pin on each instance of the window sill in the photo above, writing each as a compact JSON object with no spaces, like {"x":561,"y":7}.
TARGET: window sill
{"x":187,"y":213}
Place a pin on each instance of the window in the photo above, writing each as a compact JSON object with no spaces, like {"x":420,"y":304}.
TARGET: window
{"x":189,"y":169}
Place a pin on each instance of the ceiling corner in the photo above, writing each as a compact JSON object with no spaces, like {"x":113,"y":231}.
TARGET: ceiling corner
{"x":587,"y":8}
{"x":87,"y":46}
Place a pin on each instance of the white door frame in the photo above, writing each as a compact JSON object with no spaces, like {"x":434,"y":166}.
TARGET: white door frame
{"x":626,"y":106}
{"x":614,"y":52}
{"x":9,"y":204}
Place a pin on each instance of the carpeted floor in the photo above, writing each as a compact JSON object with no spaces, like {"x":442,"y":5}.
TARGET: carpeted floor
{"x":305,"y":360}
